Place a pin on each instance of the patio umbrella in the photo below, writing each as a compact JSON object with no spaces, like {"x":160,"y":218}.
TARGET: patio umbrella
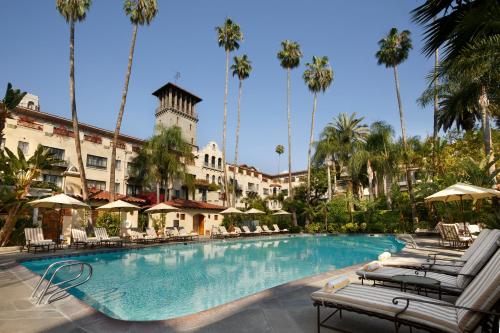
{"x":282,"y":212}
{"x":462,"y":191}
{"x":119,"y":206}
{"x":161,"y":208}
{"x":254,"y":211}
{"x":59,"y":201}
{"x":231,"y":210}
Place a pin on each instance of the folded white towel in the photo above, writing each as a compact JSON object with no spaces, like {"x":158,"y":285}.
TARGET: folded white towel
{"x":384,"y":256}
{"x":336,"y":283}
{"x":372,"y":266}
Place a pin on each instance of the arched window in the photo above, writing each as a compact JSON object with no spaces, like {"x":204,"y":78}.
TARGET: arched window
{"x":213,"y":161}
{"x":206,"y":159}
{"x":219,"y":180}
{"x":219,"y":163}
{"x":213,"y":179}
{"x":31,"y":105}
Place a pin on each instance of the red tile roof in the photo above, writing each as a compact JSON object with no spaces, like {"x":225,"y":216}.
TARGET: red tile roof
{"x":95,"y":194}
{"x":180,"y":203}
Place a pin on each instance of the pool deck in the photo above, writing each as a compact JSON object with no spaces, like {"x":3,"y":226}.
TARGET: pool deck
{"x":286,"y":308}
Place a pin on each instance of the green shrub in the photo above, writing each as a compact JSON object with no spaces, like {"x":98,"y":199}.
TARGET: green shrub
{"x":17,"y":236}
{"x":111,"y":222}
{"x":295,"y":229}
{"x":314,"y":228}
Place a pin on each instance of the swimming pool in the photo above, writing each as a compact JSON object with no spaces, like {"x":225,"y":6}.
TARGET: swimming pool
{"x":169,"y":281}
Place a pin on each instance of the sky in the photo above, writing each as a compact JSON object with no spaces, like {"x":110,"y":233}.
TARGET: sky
{"x":182,"y":38}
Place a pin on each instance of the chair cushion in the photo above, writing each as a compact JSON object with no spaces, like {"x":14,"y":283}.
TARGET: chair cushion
{"x":379,"y":300}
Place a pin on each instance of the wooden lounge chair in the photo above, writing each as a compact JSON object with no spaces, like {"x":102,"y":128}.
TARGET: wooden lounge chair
{"x":80,"y":237}
{"x":264,"y":230}
{"x":477,"y":301}
{"x":277,"y":229}
{"x":102,"y":234}
{"x":449,"y":265}
{"x":453,"y":284}
{"x":223,"y":231}
{"x":35,"y":240}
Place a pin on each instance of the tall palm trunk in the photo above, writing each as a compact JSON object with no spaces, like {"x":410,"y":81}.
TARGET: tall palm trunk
{"x":74,"y":116}
{"x":10,"y":223}
{"x":386,"y":193}
{"x":435,"y":131}
{"x":289,"y":116}
{"x":120,"y":116}
{"x":157,"y":192}
{"x":485,"y":118}
{"x":409,"y":181}
{"x":329,"y":178}
{"x":226,"y":190}
{"x":370,"y":179}
{"x":310,"y":147}
{"x":236,"y":143}
{"x":334,"y":177}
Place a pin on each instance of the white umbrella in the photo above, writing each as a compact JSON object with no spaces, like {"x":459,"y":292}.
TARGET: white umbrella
{"x":59,"y":201}
{"x":231,"y":210}
{"x":254,"y":211}
{"x":119,"y":206}
{"x":161,"y":208}
{"x":282,"y":212}
{"x":461,"y":191}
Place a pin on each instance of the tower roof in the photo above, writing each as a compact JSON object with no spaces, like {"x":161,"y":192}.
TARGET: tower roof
{"x":176,"y":87}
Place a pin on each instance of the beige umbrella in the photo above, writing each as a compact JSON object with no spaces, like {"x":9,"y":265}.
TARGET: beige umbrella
{"x":161,"y":208}
{"x":254,"y":211}
{"x":282,"y":212}
{"x":59,"y":201}
{"x":119,"y":206}
{"x":231,"y":210}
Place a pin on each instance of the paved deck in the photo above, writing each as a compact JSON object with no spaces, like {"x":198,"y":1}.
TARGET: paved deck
{"x":285,"y":308}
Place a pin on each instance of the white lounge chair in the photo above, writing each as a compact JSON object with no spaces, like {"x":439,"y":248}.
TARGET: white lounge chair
{"x":277,"y":229}
{"x":139,"y":237}
{"x":184,"y":234}
{"x":80,"y":237}
{"x":464,"y":315}
{"x":453,"y":236}
{"x":244,"y":232}
{"x":151,"y":232}
{"x":225,"y":233}
{"x":35,"y":240}
{"x":264,"y":229}
{"x":102,"y":234}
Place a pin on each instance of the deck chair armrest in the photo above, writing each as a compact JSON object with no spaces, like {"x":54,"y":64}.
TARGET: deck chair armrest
{"x":434,"y":257}
{"x":430,"y":266}
{"x":396,"y":300}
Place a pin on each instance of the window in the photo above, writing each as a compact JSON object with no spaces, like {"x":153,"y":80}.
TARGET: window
{"x":117,"y":187}
{"x":266,"y":191}
{"x":213,"y":179}
{"x":206,"y":159}
{"x":97,"y":184}
{"x":183,"y":217}
{"x":219,"y":180}
{"x":97,"y":162}
{"x":216,"y":217}
{"x":54,"y":179}
{"x":129,"y":168}
{"x":190,"y":127}
{"x":24,"y":146}
{"x":213,"y":161}
{"x":118,"y":164}
{"x":208,"y":177}
{"x":31,"y":105}
{"x":219,"y":163}
{"x":133,"y":190}
{"x":176,"y":223}
{"x":58,"y":153}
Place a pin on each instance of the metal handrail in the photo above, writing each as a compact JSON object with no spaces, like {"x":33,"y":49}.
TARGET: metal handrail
{"x":61,"y":264}
{"x":407,"y":238}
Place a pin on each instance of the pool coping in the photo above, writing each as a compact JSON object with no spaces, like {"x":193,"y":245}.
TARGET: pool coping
{"x":186,"y":322}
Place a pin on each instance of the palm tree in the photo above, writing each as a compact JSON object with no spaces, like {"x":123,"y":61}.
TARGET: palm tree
{"x":74,"y":11}
{"x":318,"y":77}
{"x":140,"y":12}
{"x":228,"y":37}
{"x":289,"y":57}
{"x":241,"y":68}
{"x":394,"y":49}
{"x":11,"y":100}
{"x":326,"y":153}
{"x":162,"y":160}
{"x":279,"y":150}
{"x":20,"y":173}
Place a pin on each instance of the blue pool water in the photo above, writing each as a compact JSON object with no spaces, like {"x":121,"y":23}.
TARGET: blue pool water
{"x":173,"y":280}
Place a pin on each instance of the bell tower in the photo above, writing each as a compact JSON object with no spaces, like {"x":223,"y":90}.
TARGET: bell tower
{"x":177,"y":107}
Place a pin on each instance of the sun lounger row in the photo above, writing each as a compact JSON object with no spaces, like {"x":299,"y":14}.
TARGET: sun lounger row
{"x":169,"y":234}
{"x":477,"y":284}
{"x":221,"y":231}
{"x":80,"y":238}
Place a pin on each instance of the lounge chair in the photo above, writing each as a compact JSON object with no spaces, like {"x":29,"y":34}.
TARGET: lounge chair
{"x":139,"y":237}
{"x":477,"y":301}
{"x":453,"y":236}
{"x":225,"y":233}
{"x":247,"y":231}
{"x":243,"y":232}
{"x":448,"y":265}
{"x":191,"y":235}
{"x":264,"y":229}
{"x":80,"y":238}
{"x":35,"y":240}
{"x":277,"y":229}
{"x":102,"y":234}
{"x":453,"y":284}
{"x":269,"y":231}
{"x":151,"y":232}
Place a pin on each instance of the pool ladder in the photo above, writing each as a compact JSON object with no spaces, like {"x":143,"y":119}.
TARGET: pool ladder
{"x":49,"y":288}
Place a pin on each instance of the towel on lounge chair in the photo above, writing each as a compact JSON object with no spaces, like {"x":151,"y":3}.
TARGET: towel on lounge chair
{"x":372,"y":266}
{"x":336,"y":283}
{"x":384,"y":256}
